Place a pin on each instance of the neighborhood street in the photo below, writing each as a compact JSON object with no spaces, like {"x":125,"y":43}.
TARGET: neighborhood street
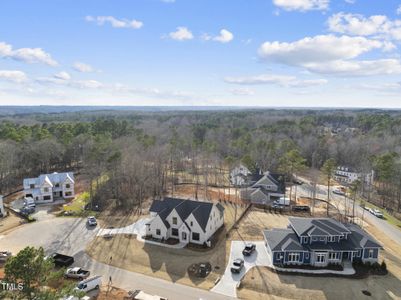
{"x":321,"y":192}
{"x":71,"y":235}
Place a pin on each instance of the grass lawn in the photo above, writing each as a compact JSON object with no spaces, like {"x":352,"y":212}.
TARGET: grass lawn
{"x":77,"y":205}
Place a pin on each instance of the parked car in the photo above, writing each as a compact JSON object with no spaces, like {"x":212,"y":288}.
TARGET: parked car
{"x":92,"y":221}
{"x":237,"y":266}
{"x":27,"y":210}
{"x":61,"y":260}
{"x":76,"y":273}
{"x":301,"y":208}
{"x":4,"y":256}
{"x":89,"y":284}
{"x":298,"y":182}
{"x":28,"y":201}
{"x":378,"y":213}
{"x":371,"y":211}
{"x":249,"y":249}
{"x":339,"y":192}
{"x":141,"y":295}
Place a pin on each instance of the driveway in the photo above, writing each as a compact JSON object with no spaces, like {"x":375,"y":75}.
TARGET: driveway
{"x":71,"y":235}
{"x":229,"y":281}
{"x":138,"y":228}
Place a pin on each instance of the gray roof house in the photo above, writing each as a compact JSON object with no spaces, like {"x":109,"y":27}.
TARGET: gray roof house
{"x":49,"y":187}
{"x":319,"y":242}
{"x":264,"y":188}
{"x":188,"y":221}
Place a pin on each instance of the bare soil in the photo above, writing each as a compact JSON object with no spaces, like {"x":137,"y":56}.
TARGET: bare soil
{"x":10,"y":222}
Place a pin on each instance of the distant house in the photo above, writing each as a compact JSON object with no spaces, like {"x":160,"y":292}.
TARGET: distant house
{"x":347,"y":175}
{"x":49,"y":187}
{"x":239,"y":175}
{"x":2,"y":211}
{"x":320,"y":241}
{"x":185,"y":220}
{"x":264,"y":188}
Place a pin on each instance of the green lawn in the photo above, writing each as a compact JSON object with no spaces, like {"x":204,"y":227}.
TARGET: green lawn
{"x":77,"y":205}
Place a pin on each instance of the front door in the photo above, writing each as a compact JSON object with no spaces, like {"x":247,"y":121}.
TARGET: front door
{"x":184,"y":236}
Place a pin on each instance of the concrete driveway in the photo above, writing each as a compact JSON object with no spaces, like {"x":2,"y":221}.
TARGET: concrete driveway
{"x":229,"y":281}
{"x":138,"y":228}
{"x":71,"y":235}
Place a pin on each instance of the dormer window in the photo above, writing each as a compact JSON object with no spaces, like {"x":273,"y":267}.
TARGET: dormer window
{"x":57,"y":185}
{"x":67,"y":186}
{"x":46,"y":190}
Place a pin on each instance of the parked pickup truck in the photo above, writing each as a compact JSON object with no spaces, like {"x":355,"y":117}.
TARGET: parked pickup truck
{"x":76,"y":273}
{"x":61,"y":260}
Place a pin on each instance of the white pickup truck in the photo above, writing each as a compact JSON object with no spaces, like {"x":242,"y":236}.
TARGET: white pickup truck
{"x":76,"y":273}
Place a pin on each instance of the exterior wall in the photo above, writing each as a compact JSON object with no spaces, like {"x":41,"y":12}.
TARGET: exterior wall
{"x":184,"y":233}
{"x":214,"y":222}
{"x":169,"y":219}
{"x":258,"y":197}
{"x":155,"y":224}
{"x":277,"y":257}
{"x":298,"y":262}
{"x":195,"y":227}
{"x":365,"y":255}
{"x":68,"y":192}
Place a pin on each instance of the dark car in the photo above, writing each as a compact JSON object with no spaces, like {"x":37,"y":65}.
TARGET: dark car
{"x":238,"y":264}
{"x":249,"y":249}
{"x":301,"y":208}
{"x":61,"y":260}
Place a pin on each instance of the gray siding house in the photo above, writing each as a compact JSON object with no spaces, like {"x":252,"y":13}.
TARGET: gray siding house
{"x":319,"y":242}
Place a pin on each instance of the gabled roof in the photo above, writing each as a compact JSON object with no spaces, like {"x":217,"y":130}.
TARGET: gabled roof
{"x":317,"y":226}
{"x":280,"y":239}
{"x":50,"y":179}
{"x":200,"y":210}
{"x":361,"y":238}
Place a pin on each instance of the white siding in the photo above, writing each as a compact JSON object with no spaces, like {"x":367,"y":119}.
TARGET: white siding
{"x":155,"y":224}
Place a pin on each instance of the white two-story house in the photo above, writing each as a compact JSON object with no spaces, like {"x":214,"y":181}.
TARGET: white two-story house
{"x":185,"y":220}
{"x":49,"y":187}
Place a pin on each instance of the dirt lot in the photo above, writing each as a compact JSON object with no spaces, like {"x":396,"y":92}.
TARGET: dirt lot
{"x":165,"y":263}
{"x":10,"y":222}
{"x":262,"y":283}
{"x":111,"y":294}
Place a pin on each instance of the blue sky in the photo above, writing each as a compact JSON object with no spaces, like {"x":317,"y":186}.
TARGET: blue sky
{"x":319,"y":53}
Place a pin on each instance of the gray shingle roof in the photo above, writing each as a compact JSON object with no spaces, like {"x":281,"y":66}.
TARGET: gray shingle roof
{"x":200,"y":210}
{"x":317,"y":226}
{"x":282,"y":240}
{"x":361,"y":238}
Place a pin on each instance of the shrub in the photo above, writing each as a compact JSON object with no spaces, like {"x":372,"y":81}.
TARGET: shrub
{"x":383,"y":266}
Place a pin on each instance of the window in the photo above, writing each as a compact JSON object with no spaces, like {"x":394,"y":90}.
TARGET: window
{"x":158,"y":232}
{"x":67,"y":186}
{"x":306,"y":255}
{"x":332,"y":238}
{"x":47,"y":198}
{"x":31,"y":186}
{"x":174,"y":231}
{"x":57,"y":185}
{"x":371,"y":252}
{"x":314,"y":239}
{"x":192,"y":223}
{"x":68,"y":193}
{"x":279,"y":256}
{"x":322,"y":238}
{"x":293,"y":257}
{"x":320,"y":258}
{"x":46,"y":190}
{"x":334,"y":255}
{"x":174,"y":220}
{"x":195,"y":236}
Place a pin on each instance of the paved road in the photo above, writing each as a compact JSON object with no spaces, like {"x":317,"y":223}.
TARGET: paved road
{"x":70,"y":236}
{"x":390,"y":230}
{"x":229,"y":281}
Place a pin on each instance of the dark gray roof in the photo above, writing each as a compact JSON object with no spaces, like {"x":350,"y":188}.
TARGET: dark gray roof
{"x":317,"y":226}
{"x":361,"y":238}
{"x":282,"y":240}
{"x":200,"y":210}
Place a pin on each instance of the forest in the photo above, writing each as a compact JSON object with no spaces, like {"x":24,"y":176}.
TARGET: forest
{"x":142,"y":151}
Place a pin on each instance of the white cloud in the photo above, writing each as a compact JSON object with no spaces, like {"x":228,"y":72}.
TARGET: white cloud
{"x":329,"y":54}
{"x":350,"y":1}
{"x":321,"y":48}
{"x":224,"y":37}
{"x":302,"y":5}
{"x":181,"y":34}
{"x":356,"y":24}
{"x":64,"y":79}
{"x":399,"y":10}
{"x":242,"y":92}
{"x":114,"y":22}
{"x":29,"y":55}
{"x":153,"y":92}
{"x":82,"y":67}
{"x":281,"y":80}
{"x":14,"y":76}
{"x":63,"y":76}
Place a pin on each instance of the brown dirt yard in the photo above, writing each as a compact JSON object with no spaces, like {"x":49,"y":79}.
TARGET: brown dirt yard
{"x":162,"y":262}
{"x":262,"y":283}
{"x":10,"y":222}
